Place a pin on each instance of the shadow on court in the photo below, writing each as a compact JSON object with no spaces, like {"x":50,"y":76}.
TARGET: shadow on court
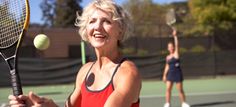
{"x":212,"y":104}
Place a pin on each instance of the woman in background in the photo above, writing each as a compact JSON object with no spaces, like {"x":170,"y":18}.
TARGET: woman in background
{"x":111,"y":80}
{"x":172,"y":72}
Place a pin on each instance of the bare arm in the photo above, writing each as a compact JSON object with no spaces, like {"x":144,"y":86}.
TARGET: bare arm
{"x":32,"y":100}
{"x":35,"y":100}
{"x":74,"y":100}
{"x":127,"y":84}
{"x":166,"y":69}
{"x":174,"y":33}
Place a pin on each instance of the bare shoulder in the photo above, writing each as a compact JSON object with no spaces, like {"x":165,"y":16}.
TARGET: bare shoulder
{"x":86,"y":66}
{"x":82,"y":73}
{"x":128,"y":68}
{"x":127,"y":81}
{"x":128,"y":74}
{"x":75,"y":95}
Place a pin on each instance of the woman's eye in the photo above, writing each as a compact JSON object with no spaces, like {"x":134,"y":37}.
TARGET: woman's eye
{"x":107,"y":21}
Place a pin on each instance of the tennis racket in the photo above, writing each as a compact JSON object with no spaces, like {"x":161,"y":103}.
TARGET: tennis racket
{"x":14,"y":20}
{"x":170,"y":17}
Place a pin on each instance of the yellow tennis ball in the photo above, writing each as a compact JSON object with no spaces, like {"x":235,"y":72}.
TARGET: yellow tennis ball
{"x":41,"y":42}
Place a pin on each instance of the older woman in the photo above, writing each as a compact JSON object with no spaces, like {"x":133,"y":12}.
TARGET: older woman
{"x":111,"y":80}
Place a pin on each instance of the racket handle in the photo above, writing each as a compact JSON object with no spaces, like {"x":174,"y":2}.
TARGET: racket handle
{"x":16,"y":84}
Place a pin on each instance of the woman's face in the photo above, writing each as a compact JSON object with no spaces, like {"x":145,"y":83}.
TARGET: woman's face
{"x":171,"y":48}
{"x":102,"y":30}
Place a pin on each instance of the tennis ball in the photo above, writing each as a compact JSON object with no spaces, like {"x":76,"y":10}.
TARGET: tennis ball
{"x":41,"y":42}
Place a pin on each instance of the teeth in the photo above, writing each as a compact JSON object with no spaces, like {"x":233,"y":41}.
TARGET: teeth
{"x":99,"y":36}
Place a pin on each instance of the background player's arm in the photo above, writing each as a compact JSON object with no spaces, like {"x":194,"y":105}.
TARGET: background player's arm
{"x":165,"y":72}
{"x":127,"y":86}
{"x":176,"y":42}
{"x":74,"y":100}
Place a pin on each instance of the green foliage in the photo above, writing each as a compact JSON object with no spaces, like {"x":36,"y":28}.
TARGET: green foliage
{"x":215,"y":48}
{"x":60,"y":13}
{"x":47,"y":8}
{"x":146,"y":17}
{"x":65,"y":12}
{"x":211,"y":15}
{"x":182,"y":50}
{"x":198,"y":49}
{"x":128,"y":51}
{"x":195,"y":18}
{"x":164,"y":52}
{"x":142,"y":52}
{"x":133,"y":51}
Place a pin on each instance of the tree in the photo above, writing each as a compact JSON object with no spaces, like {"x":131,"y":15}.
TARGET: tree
{"x":147,"y":17}
{"x":47,"y":7}
{"x":65,"y":12}
{"x":60,"y":13}
{"x":213,"y":15}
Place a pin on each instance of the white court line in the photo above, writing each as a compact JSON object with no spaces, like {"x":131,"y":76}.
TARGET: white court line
{"x":191,"y":94}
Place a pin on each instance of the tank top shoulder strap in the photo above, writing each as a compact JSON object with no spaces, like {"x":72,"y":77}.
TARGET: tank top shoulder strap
{"x":89,"y":70}
{"x":116,"y":69}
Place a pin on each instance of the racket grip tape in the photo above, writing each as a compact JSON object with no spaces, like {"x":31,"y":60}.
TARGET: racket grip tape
{"x":16,"y":84}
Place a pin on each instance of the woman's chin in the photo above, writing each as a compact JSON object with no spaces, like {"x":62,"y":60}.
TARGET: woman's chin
{"x":98,"y":45}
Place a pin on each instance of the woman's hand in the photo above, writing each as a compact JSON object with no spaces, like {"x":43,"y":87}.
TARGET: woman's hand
{"x":19,"y":101}
{"x":164,"y":79}
{"x":31,"y":100}
{"x":174,"y":32}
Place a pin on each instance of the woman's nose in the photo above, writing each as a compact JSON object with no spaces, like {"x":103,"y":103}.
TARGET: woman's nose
{"x":97,"y":25}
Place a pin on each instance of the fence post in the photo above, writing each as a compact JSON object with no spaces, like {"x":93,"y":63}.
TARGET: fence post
{"x":214,"y":55}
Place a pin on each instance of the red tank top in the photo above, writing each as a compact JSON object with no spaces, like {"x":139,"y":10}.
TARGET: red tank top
{"x":98,"y":98}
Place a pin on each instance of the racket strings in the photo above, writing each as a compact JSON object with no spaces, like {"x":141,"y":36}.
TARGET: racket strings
{"x":12,"y":18}
{"x":13,"y":26}
{"x":170,"y":17}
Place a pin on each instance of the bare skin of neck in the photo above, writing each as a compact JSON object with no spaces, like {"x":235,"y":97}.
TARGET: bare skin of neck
{"x":107,"y":56}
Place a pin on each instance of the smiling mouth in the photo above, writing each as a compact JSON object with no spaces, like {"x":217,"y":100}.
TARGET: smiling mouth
{"x":99,"y":36}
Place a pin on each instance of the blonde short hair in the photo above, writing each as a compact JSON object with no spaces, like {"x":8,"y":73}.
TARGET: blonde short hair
{"x":118,"y":14}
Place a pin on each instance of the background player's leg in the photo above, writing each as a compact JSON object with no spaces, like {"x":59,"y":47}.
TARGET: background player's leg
{"x":180,"y":89}
{"x":169,"y":86}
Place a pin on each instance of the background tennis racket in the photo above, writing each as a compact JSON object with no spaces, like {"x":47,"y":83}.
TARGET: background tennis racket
{"x":14,"y":19}
{"x":170,"y":17}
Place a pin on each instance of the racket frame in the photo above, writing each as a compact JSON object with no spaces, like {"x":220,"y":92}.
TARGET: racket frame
{"x":170,"y":15}
{"x":10,"y":55}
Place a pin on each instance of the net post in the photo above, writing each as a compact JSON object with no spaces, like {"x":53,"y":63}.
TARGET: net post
{"x":83,"y":56}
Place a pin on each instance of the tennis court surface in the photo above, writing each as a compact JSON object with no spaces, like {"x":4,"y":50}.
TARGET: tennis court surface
{"x":204,"y":92}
